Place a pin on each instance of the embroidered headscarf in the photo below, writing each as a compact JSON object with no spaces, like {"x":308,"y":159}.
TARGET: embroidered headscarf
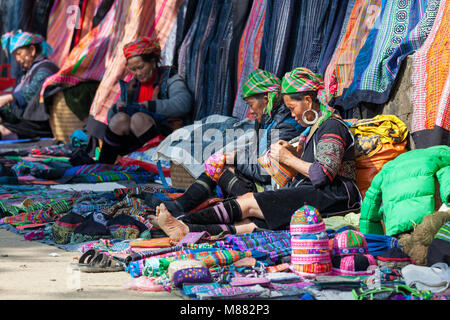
{"x":12,"y":41}
{"x":141,"y":46}
{"x":261,"y":81}
{"x":303,"y":80}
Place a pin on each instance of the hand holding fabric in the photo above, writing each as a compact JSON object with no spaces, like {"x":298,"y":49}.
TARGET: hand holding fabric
{"x":6,"y":99}
{"x":283,"y":152}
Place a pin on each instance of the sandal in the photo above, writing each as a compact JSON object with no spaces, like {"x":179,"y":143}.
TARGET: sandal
{"x":85,"y":259}
{"x":103,"y":263}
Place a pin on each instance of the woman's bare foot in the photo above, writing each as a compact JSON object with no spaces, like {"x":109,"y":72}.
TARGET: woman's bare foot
{"x":175,"y":229}
{"x":154,"y":221}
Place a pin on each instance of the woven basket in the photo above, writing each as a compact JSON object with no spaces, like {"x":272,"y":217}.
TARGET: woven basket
{"x":62,"y":120}
{"x":181,"y":178}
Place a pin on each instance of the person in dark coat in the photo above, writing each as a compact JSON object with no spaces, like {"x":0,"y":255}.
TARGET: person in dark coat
{"x":155,"y":102}
{"x":22,"y":113}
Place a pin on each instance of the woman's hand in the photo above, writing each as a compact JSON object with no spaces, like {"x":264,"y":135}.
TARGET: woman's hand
{"x":283,"y":152}
{"x":5,"y":99}
{"x":121,"y":106}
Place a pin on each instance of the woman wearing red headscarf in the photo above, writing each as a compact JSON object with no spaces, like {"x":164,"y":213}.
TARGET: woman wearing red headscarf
{"x":155,"y":102}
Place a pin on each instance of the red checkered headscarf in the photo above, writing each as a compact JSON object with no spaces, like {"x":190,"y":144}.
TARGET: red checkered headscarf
{"x":141,"y":46}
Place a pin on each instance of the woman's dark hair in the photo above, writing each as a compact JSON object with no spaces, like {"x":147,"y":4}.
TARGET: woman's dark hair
{"x":299,"y":96}
{"x":260,"y":96}
{"x":37,"y":46}
{"x":151,"y":56}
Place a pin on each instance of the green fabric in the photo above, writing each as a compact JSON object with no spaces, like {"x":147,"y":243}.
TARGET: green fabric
{"x":260,"y":81}
{"x":443,"y":176}
{"x":79,"y":98}
{"x":406,"y":188}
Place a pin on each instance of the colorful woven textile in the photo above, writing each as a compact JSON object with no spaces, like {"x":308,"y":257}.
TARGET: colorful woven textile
{"x":444,"y":232}
{"x":132,"y":206}
{"x":275,"y":244}
{"x":302,"y":80}
{"x":340,"y":71}
{"x":249,"y":53}
{"x":261,"y":81}
{"x":431,"y":77}
{"x":49,"y":214}
{"x":13,"y":41}
{"x":250,"y":241}
{"x":387,"y":44}
{"x":141,"y":46}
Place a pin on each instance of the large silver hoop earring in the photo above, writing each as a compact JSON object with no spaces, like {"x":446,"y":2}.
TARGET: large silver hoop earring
{"x":310,"y":122}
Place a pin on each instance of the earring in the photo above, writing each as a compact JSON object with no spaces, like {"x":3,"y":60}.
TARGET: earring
{"x":308,"y":122}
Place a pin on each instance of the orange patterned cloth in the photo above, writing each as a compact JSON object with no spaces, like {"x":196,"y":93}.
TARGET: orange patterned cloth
{"x":340,"y":71}
{"x":431,"y":76}
{"x":151,"y":243}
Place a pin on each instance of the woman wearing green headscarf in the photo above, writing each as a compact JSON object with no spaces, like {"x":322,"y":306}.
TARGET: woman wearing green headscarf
{"x":323,"y":163}
{"x":22,"y":115}
{"x":241,"y":173}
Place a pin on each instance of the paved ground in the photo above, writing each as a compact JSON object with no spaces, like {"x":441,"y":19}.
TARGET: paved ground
{"x":35,"y":271}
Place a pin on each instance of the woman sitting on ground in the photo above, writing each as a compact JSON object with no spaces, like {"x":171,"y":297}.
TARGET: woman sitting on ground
{"x":22,"y":114}
{"x":241,"y":173}
{"x":324,"y":162}
{"x":155,"y":102}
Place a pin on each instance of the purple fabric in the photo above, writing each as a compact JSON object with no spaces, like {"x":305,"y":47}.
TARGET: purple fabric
{"x":316,"y":175}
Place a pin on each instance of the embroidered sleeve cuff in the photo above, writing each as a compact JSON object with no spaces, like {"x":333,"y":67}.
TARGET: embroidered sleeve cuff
{"x":317,"y":175}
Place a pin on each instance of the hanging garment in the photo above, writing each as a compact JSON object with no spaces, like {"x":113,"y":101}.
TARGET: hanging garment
{"x":431,"y":85}
{"x":401,"y":28}
{"x":313,"y":26}
{"x":277,"y":36}
{"x":340,"y":69}
{"x":336,"y":24}
{"x":61,"y":26}
{"x":249,"y":53}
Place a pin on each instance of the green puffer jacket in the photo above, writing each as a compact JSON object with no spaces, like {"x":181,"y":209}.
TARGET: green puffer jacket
{"x":403,"y":192}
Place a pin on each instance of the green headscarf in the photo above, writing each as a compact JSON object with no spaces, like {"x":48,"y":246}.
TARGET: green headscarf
{"x":261,"y":81}
{"x":302,"y":80}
